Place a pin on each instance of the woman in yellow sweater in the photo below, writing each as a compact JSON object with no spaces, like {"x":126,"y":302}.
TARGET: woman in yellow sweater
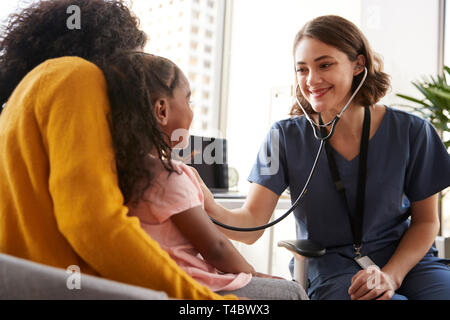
{"x":60,"y":202}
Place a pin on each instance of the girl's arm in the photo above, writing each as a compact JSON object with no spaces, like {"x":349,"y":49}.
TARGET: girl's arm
{"x":256,"y":211}
{"x":215,"y":248}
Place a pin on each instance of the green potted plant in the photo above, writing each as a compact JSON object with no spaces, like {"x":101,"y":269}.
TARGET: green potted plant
{"x":435,"y":104}
{"x":435,"y":107}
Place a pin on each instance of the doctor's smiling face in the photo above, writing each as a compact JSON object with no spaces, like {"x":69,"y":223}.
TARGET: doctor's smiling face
{"x":325,"y":74}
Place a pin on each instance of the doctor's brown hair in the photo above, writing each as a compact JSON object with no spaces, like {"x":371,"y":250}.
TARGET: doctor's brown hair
{"x":346,"y":37}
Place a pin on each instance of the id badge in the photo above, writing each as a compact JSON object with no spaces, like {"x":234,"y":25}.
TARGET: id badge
{"x":365,"y":262}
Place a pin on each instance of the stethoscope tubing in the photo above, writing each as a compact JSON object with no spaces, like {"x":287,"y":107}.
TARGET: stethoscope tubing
{"x":314,"y":166}
{"x":292,"y":208}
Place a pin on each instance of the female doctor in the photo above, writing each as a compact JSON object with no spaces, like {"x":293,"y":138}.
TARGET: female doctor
{"x":395,"y":197}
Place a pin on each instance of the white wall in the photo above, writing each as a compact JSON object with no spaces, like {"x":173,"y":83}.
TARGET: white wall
{"x":405,"y":33}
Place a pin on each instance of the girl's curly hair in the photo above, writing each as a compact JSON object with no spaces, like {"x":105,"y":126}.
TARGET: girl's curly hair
{"x":39,"y":32}
{"x":135,"y":81}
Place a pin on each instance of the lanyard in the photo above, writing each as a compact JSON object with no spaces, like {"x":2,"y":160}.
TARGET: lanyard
{"x":357,"y":221}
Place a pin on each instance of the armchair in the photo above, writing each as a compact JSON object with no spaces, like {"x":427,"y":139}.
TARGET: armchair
{"x":24,"y":279}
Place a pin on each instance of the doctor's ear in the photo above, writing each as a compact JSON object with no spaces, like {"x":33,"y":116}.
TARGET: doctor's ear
{"x":161,"y":111}
{"x":360,"y":64}
{"x":358,"y":69}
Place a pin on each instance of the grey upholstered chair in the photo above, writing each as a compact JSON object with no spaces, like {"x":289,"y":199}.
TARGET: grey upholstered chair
{"x":26,"y":280}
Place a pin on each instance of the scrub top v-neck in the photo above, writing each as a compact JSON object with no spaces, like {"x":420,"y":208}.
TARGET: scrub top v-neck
{"x":407,"y":162}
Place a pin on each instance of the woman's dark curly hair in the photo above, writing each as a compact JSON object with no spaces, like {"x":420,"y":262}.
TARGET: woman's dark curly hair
{"x":135,"y":81}
{"x":40,"y":32}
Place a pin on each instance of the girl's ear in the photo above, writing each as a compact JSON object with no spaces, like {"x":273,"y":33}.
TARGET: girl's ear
{"x":161,"y":111}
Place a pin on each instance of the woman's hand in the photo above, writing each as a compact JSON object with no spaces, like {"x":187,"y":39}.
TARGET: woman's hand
{"x":414,"y":245}
{"x":372,"y":283}
{"x":209,"y":201}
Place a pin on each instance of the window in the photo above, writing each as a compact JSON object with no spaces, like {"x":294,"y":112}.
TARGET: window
{"x":194,"y":41}
{"x":196,"y":14}
{"x":206,"y":80}
{"x":194,"y":29}
{"x":192,"y":76}
{"x":193,"y":61}
{"x":194,"y":45}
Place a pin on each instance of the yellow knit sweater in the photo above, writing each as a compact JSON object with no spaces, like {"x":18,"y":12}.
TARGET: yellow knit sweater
{"x":60,"y":203}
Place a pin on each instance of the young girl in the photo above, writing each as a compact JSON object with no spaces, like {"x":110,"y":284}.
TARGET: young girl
{"x":150,"y":95}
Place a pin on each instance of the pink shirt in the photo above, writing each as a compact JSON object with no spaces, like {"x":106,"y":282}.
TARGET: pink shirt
{"x":169,"y":195}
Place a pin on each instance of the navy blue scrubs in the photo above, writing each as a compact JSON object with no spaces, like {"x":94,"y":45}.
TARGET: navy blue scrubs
{"x":407,"y":162}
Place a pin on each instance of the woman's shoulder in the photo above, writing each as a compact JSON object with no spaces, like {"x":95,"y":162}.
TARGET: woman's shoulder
{"x":293,"y":124}
{"x":80,"y":84}
{"x":405,"y":116}
{"x":404,"y":121}
{"x":70,"y":64}
{"x":52,"y":75}
{"x":69,"y":69}
{"x":62,"y":67}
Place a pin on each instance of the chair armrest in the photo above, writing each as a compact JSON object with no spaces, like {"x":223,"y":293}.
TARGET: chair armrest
{"x":306,"y":248}
{"x":302,"y":250}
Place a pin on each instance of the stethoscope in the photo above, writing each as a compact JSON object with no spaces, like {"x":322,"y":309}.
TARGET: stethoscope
{"x":322,"y":140}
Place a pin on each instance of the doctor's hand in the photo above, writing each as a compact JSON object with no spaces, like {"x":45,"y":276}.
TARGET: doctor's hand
{"x":371,"y":284}
{"x":209,"y":201}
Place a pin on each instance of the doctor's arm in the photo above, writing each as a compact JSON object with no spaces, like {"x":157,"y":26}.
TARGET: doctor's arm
{"x":412,"y":248}
{"x":256,"y":211}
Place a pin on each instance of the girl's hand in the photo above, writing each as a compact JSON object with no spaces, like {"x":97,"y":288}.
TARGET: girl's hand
{"x":208,"y":196}
{"x":372,"y":284}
